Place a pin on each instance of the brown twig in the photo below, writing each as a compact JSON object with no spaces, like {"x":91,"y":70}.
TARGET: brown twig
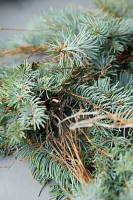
{"x":17,"y":29}
{"x":98,"y":149}
{"x":15,"y":158}
{"x":40,"y":146}
{"x":24,"y":49}
{"x":118,"y":122}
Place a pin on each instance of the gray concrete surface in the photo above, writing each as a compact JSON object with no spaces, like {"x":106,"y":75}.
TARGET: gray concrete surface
{"x":17,"y":183}
{"x":17,"y":13}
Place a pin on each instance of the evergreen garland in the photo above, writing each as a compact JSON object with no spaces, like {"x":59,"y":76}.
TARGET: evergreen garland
{"x":68,"y":107}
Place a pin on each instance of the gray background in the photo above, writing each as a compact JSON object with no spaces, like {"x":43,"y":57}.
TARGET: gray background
{"x":17,"y":13}
{"x":17,"y":183}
